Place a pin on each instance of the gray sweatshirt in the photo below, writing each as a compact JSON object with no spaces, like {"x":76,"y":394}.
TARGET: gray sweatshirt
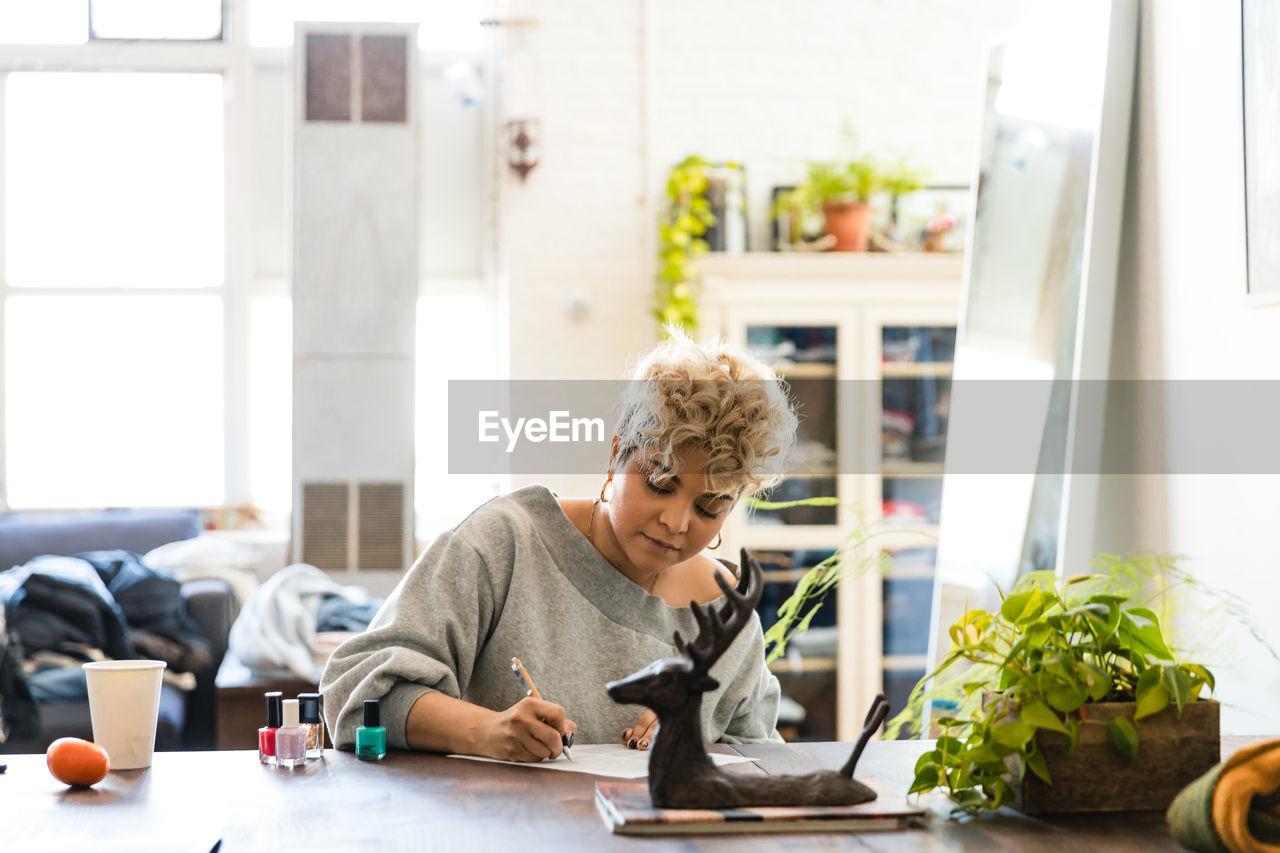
{"x":517,"y":579}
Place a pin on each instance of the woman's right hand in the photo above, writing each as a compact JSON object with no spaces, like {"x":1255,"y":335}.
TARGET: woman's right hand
{"x":530,"y":730}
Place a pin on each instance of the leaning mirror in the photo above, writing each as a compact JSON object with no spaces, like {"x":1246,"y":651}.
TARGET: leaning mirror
{"x":1039,"y":294}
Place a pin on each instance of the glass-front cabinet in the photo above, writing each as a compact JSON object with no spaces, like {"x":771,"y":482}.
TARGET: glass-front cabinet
{"x":865,"y":344}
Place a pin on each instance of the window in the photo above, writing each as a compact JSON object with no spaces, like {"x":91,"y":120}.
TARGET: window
{"x":44,"y":21}
{"x":78,"y":21}
{"x":74,"y":367}
{"x":113,"y":180}
{"x":113,"y":335}
{"x":194,"y":20}
{"x":464,"y":350}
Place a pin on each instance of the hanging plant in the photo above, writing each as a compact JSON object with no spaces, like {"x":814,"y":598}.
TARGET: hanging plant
{"x":686,"y":218}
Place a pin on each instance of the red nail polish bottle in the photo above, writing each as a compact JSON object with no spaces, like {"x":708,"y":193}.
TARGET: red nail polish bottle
{"x":267,"y":734}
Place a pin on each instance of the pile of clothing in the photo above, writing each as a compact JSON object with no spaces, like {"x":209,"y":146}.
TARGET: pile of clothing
{"x":59,"y":612}
{"x":291,"y":623}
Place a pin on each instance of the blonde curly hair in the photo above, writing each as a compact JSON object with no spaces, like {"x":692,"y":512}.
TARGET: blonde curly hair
{"x":716,"y":397}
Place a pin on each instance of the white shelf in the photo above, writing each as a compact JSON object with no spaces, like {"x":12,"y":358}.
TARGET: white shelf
{"x":790,"y":537}
{"x":915,"y":369}
{"x":907,"y":468}
{"x":805,"y":370}
{"x":907,"y":662}
{"x":850,"y":269}
{"x":784,"y":575}
{"x":914,"y":574}
{"x":906,"y":536}
{"x":782,"y":666}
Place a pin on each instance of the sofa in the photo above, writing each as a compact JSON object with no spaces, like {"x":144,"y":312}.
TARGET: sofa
{"x":186,"y":718}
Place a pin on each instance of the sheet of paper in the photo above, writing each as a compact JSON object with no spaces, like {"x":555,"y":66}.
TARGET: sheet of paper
{"x":603,"y":759}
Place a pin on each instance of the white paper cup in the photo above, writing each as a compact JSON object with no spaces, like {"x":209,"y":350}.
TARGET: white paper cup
{"x":124,"y":702}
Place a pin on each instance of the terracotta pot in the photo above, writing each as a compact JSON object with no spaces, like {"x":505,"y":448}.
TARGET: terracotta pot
{"x":850,"y":224}
{"x":1173,"y":751}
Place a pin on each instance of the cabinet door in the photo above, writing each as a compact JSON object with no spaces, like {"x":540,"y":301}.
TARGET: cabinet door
{"x":808,"y":354}
{"x":913,"y":356}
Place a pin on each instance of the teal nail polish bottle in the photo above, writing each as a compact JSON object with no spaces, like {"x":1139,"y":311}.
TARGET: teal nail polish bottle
{"x":371,"y":738}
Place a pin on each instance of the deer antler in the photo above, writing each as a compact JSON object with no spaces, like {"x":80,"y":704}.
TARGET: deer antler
{"x":875,"y":716}
{"x":716,"y":631}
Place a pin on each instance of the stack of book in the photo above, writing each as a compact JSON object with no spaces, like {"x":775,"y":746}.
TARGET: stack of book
{"x":627,"y":810}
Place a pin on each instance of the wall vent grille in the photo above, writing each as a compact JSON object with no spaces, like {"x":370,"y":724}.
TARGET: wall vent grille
{"x":325,"y":525}
{"x":381,"y":525}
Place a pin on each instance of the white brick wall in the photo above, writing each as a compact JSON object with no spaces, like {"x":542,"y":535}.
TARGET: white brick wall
{"x":760,"y":82}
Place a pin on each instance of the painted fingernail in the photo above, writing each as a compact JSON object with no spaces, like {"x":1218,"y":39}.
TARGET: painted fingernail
{"x":564,"y":739}
{"x":632,"y":744}
{"x":571,"y":739}
{"x":644,"y":744}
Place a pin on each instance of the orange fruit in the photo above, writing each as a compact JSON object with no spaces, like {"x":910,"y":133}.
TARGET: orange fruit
{"x":74,"y":761}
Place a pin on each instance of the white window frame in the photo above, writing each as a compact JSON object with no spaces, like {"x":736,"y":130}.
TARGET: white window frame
{"x":233,"y":59}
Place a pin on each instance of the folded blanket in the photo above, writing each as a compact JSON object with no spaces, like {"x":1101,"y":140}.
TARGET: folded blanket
{"x":1235,"y":807}
{"x":276,"y":628}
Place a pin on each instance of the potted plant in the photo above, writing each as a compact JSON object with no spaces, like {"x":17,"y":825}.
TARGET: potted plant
{"x":685,"y":220}
{"x":842,"y":191}
{"x":1066,"y":698}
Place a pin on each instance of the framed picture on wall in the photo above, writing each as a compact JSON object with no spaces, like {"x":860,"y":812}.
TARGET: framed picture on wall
{"x":1260,"y":21}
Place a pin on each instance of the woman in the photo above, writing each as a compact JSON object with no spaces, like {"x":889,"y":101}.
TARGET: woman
{"x":584,"y":591}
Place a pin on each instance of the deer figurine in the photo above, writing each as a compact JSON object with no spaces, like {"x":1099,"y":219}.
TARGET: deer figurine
{"x":681,"y":774}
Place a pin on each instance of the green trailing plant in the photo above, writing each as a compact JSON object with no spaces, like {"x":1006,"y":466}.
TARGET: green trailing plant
{"x":1033,"y":665}
{"x":856,"y":555}
{"x":685,"y":219}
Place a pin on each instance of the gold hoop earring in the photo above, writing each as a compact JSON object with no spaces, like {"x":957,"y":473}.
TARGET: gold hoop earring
{"x":719,"y":542}
{"x":603,"y":499}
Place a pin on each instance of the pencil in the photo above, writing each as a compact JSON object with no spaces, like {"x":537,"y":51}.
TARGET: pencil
{"x":531,"y":689}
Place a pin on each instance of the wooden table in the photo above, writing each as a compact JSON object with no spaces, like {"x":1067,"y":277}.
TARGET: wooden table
{"x":410,"y":801}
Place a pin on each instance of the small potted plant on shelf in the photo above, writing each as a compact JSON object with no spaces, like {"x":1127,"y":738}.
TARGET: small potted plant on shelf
{"x":842,"y":191}
{"x":1067,"y":698}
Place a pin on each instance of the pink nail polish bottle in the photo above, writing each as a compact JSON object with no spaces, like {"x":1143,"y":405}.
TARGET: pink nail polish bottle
{"x":291,"y":738}
{"x":267,"y":734}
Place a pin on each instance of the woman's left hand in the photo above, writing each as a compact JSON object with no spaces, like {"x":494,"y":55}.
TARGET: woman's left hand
{"x":640,"y":736}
